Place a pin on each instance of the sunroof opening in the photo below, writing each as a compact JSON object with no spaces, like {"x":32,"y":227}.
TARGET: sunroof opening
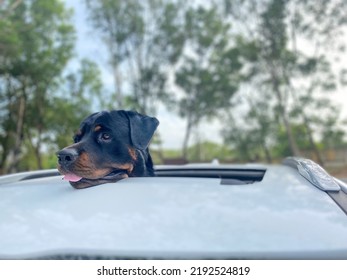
{"x":227,"y":176}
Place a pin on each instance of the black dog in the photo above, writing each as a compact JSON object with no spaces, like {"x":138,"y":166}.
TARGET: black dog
{"x":109,"y":146}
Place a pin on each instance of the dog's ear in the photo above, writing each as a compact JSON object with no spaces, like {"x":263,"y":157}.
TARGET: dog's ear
{"x":141,"y":129}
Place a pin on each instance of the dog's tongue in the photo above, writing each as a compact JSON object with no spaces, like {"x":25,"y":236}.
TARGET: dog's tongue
{"x":72,"y":177}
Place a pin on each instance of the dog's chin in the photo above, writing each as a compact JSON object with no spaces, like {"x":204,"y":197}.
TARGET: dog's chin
{"x":110,"y":178}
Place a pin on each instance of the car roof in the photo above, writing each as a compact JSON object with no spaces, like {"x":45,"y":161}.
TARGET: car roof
{"x":281,"y":216}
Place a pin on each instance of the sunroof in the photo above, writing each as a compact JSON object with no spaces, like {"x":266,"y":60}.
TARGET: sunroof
{"x":228,"y":176}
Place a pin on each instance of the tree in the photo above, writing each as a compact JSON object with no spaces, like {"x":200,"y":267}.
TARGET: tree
{"x":47,"y":128}
{"x":208,"y":72}
{"x":321,"y":24}
{"x":43,"y":38}
{"x":289,"y":45}
{"x":136,"y":34}
{"x":252,"y":133}
{"x":277,"y":58}
{"x":119,"y":23}
{"x":332,"y":135}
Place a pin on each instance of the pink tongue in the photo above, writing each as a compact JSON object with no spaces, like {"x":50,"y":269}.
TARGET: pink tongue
{"x":72,"y":177}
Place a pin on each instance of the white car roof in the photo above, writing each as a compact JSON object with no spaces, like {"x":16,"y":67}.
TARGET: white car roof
{"x":282,"y":216}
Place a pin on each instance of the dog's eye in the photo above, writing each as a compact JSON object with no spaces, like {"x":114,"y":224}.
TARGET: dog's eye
{"x":105,"y":136}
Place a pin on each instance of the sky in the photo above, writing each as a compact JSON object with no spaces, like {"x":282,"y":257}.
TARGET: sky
{"x":89,"y":45}
{"x":171,"y":128}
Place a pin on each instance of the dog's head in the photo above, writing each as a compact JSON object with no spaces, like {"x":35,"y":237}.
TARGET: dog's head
{"x":105,"y":148}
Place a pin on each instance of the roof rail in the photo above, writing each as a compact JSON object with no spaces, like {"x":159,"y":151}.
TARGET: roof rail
{"x":313,"y":172}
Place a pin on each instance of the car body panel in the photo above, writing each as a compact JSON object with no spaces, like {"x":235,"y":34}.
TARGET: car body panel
{"x":283,"y":216}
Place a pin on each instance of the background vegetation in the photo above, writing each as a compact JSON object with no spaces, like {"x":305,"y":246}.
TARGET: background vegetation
{"x":265,"y":69}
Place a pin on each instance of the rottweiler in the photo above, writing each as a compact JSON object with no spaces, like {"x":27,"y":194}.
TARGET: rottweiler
{"x":108,"y":147}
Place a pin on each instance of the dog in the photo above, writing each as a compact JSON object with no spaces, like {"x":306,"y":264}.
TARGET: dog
{"x":108,"y":147}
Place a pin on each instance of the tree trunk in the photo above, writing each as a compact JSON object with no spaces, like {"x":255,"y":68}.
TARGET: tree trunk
{"x":292,"y":143}
{"x":267,"y":154}
{"x":36,"y":148}
{"x":118,"y":86}
{"x":187,"y":137}
{"x":38,"y":155}
{"x":312,"y":142}
{"x":18,"y":137}
{"x":6,"y":142}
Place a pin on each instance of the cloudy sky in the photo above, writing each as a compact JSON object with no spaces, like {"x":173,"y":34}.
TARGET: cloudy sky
{"x":171,"y":127}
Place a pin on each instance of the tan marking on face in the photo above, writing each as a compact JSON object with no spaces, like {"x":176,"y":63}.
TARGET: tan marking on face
{"x":97,"y":128}
{"x":82,"y":163}
{"x":132,"y":153}
{"x":84,"y":158}
{"x":85,"y":168}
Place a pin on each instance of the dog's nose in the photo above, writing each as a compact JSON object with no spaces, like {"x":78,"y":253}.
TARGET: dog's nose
{"x":67,"y":156}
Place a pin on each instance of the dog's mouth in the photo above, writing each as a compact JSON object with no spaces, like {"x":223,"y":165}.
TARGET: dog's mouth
{"x":79,"y":182}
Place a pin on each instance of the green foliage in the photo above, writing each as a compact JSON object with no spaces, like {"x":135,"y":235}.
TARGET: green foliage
{"x":142,"y":39}
{"x":170,"y":38}
{"x":209,"y":71}
{"x":274,"y":36}
{"x":333,"y":135}
{"x":285,"y":50}
{"x":264,"y":68}
{"x":282,"y":149}
{"x":44,"y":40}
{"x":36,"y":115}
